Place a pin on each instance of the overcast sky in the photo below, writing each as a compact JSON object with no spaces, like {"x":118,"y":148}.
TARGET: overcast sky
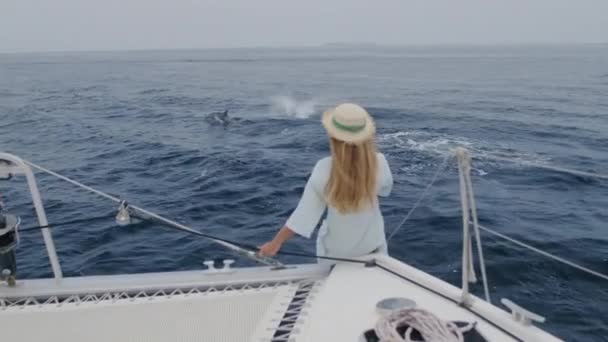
{"x":43,"y":25}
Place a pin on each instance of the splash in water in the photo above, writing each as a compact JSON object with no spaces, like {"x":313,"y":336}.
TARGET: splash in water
{"x":287,"y":105}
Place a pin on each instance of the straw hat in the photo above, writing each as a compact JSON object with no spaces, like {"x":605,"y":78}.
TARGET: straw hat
{"x":349,"y":122}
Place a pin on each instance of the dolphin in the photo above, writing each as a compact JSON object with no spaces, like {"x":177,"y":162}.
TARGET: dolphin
{"x":218,"y":118}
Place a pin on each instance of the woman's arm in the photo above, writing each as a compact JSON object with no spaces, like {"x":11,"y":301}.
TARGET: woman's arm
{"x":304,"y":218}
{"x":386,"y":177}
{"x":272,"y":247}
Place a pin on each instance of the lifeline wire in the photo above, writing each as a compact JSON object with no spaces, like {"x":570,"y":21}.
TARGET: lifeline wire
{"x":235,"y":244}
{"x":66,"y":223}
{"x":148,"y":214}
{"x":546,"y":254}
{"x":546,"y":167}
{"x":422,"y":196}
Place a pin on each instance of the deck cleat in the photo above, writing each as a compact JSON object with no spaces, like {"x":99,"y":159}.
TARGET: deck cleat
{"x":227,"y":263}
{"x":521,"y":315}
{"x":212,"y":266}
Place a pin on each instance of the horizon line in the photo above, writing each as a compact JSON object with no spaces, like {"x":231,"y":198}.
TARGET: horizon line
{"x":304,"y":46}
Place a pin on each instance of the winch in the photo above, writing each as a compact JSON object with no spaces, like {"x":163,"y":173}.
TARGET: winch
{"x":9,"y":239}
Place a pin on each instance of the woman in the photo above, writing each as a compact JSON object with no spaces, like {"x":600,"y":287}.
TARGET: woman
{"x":348,"y":184}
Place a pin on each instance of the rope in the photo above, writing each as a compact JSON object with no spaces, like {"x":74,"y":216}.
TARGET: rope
{"x":251,"y":254}
{"x":473,"y":208}
{"x":546,"y":254}
{"x":547,"y":167}
{"x":422,"y":196}
{"x":449,"y":299}
{"x":247,"y":250}
{"x":306,"y":255}
{"x":197,"y":233}
{"x":430,"y":327}
{"x":255,"y":248}
{"x":66,"y":223}
{"x":148,"y":214}
{"x":78,"y":184}
{"x":468,"y":271}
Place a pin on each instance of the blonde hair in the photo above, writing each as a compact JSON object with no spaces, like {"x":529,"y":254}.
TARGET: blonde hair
{"x":352,"y":181}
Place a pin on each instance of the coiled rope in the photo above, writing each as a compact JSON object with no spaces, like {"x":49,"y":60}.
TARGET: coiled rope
{"x":429,"y":326}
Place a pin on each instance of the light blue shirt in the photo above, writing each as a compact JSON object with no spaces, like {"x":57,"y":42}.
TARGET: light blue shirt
{"x":341,"y":235}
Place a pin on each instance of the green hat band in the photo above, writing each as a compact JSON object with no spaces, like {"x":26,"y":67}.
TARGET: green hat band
{"x":348,"y":128}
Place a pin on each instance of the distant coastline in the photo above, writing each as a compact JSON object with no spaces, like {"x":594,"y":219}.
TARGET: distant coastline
{"x":329,"y":45}
{"x":352,"y":45}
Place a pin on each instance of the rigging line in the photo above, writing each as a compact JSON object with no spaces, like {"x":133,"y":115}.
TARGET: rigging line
{"x":240,"y":248}
{"x":546,"y":167}
{"x":473,"y":211}
{"x":252,"y":247}
{"x":323,"y":257}
{"x":69,"y":180}
{"x":66,"y":223}
{"x":194,"y":232}
{"x":147,"y":213}
{"x":546,"y":254}
{"x":442,"y":166}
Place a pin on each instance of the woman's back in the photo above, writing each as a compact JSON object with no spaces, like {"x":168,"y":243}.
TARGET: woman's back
{"x":342,"y":234}
{"x":384,"y":179}
{"x":347,"y":185}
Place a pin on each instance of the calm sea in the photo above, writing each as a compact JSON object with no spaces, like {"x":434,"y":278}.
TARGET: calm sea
{"x":134,"y":124}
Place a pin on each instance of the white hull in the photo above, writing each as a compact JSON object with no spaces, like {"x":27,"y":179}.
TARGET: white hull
{"x":335,"y":305}
{"x":300,"y":303}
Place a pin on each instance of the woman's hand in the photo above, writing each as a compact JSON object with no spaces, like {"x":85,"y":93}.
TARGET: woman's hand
{"x":270,"y":249}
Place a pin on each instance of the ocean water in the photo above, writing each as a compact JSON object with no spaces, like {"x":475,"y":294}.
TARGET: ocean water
{"x":134,"y":124}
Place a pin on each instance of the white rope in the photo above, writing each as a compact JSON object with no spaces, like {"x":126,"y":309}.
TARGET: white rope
{"x":546,"y":167}
{"x":473,"y":207}
{"x":430,"y":327}
{"x":78,"y":184}
{"x":237,"y":249}
{"x":468,"y":271}
{"x":469,"y":213}
{"x":441,"y":167}
{"x":547,"y":254}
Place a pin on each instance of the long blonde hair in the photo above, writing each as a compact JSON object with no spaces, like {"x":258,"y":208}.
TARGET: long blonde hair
{"x":352,"y":181}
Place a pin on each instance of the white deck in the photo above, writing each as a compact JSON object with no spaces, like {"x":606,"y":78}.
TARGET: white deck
{"x":216,"y":316}
{"x":305,"y":303}
{"x":345,"y":306}
{"x":215,"y":307}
